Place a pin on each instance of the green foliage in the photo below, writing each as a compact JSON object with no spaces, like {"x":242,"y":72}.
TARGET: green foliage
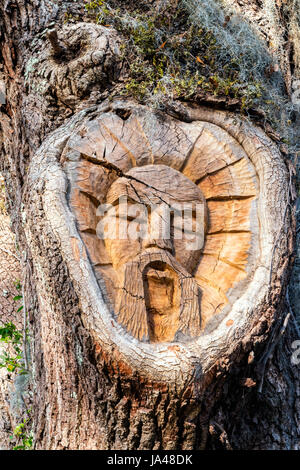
{"x":70,"y":18}
{"x":17,"y":284}
{"x":98,"y":9}
{"x":169,"y":56}
{"x":12,"y":361}
{"x":23,"y":435}
{"x":197,"y":50}
{"x":2,"y":197}
{"x":12,"y":358}
{"x":94,"y":4}
{"x":9,"y":333}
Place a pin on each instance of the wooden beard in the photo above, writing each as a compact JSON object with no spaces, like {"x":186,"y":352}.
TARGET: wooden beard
{"x":157,"y":299}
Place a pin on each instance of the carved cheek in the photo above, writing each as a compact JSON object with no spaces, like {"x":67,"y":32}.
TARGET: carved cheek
{"x":188,"y":242}
{"x":122,"y":251}
{"x":187,"y":258}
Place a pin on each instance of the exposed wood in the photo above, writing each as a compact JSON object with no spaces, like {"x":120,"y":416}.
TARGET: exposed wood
{"x":229,"y":216}
{"x":221,"y":265}
{"x":235,"y":181}
{"x":225,"y":269}
{"x":213,"y":150}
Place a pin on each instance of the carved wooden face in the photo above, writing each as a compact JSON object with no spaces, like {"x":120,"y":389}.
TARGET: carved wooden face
{"x":157,"y":287}
{"x":138,"y":298}
{"x":158,"y":252}
{"x":152,"y":195}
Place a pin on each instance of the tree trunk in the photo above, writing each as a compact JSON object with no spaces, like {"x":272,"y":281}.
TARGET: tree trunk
{"x":217,"y":375}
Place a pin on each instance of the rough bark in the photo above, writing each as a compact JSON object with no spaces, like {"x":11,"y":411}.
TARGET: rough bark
{"x":11,"y":410}
{"x":95,"y":388}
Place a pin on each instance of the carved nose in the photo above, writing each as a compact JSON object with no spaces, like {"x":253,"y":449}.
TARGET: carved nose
{"x":158,"y":243}
{"x":159,"y":229}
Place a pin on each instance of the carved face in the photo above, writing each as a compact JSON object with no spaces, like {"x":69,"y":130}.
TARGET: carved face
{"x":159,"y":252}
{"x":152,"y":194}
{"x":159,"y":285}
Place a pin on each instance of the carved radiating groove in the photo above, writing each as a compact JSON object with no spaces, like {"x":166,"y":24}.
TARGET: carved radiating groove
{"x":231,"y":248}
{"x":229,"y":216}
{"x":85,"y":211}
{"x":223,"y":171}
{"x":170,"y":141}
{"x":141,"y":139}
{"x":90,"y":179}
{"x":218,"y":273}
{"x":212,"y":300}
{"x":213,"y":151}
{"x":96,"y":248}
{"x":234,"y":181}
{"x":102,"y":138}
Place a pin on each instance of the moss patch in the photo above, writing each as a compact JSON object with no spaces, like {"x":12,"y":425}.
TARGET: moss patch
{"x":198,"y":51}
{"x":169,"y":57}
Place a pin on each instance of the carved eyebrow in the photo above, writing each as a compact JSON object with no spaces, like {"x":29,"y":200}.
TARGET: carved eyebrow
{"x":115,"y":200}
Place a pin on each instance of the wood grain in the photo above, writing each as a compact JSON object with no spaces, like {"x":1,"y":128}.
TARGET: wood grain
{"x":245,"y":298}
{"x":164,"y":162}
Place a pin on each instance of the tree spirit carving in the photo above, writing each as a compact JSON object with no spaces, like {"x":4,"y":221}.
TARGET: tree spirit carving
{"x":157,"y":297}
{"x":172,"y":295}
{"x":143,"y":293}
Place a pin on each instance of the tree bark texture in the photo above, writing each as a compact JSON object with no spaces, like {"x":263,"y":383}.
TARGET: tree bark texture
{"x":94,"y":387}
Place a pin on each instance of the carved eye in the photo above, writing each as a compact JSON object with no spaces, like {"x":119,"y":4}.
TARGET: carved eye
{"x":126,"y":210}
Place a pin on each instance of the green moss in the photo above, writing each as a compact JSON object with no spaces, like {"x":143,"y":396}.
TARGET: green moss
{"x":172,"y":58}
{"x":70,"y":18}
{"x":192,"y":50}
{"x":22,"y":433}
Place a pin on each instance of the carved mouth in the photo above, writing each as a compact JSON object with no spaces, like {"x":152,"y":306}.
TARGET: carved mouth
{"x":160,"y":274}
{"x":156,"y":250}
{"x":161,"y":262}
{"x":162,"y":298}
